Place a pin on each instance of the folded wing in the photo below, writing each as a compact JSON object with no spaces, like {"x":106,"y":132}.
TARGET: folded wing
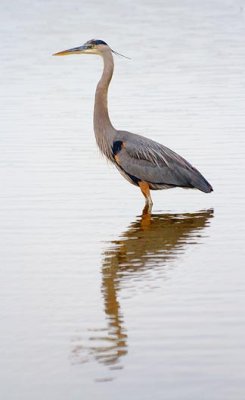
{"x":154,"y":163}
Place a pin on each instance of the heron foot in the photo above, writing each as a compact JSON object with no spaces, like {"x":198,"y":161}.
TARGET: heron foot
{"x":147,"y":209}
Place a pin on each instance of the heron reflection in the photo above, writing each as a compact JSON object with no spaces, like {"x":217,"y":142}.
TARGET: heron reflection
{"x":150,"y":242}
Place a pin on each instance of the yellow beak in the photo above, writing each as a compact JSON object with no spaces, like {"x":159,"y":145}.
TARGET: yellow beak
{"x":75,"y":50}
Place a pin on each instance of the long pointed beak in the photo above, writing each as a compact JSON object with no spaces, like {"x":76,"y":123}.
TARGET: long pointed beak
{"x":75,"y":50}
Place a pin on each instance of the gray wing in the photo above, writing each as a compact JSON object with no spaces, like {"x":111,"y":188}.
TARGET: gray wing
{"x":154,"y":163}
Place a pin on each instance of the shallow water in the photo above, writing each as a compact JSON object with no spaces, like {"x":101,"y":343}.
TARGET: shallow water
{"x":97,"y":299}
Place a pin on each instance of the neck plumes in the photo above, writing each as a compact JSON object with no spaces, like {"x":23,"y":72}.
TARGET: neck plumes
{"x":103,"y":128}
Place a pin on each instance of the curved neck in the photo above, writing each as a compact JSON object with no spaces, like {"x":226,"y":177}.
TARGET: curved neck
{"x":102,"y":121}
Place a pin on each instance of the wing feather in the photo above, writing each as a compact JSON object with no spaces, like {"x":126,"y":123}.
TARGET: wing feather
{"x":157,"y":164}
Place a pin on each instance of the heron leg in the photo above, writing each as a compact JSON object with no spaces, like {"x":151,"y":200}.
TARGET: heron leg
{"x":145,"y":189}
{"x":147,"y":209}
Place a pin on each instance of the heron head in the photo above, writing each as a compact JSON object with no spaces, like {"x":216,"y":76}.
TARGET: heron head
{"x":94,"y":46}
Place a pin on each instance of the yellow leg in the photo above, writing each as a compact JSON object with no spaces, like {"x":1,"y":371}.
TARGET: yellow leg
{"x":145,"y":189}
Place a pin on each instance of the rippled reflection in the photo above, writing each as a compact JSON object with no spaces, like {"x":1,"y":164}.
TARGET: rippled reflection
{"x":150,"y":242}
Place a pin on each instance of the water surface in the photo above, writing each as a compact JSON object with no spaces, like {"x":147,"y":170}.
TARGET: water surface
{"x":97,"y":299}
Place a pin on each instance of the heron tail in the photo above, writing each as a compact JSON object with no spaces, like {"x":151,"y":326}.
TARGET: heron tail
{"x":199,"y":182}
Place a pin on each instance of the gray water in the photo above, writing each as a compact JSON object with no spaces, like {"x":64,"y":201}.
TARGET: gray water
{"x":97,"y":300}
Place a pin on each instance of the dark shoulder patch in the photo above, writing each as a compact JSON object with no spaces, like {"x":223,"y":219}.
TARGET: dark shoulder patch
{"x":117,"y":146}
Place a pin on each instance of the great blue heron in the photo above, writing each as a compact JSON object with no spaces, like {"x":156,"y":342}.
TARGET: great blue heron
{"x":142,"y":161}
